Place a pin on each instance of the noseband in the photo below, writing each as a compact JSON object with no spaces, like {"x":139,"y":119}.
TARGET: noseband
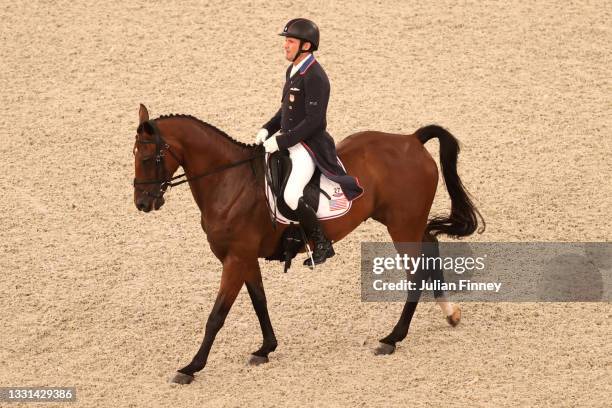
{"x":162,"y":178}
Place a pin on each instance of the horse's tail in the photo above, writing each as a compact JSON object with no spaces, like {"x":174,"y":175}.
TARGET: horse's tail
{"x":464,"y":217}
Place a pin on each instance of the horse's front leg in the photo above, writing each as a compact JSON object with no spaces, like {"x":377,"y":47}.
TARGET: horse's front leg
{"x":255,"y":287}
{"x":232,"y":279}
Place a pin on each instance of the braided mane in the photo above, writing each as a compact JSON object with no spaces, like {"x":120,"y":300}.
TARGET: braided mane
{"x":208,"y":125}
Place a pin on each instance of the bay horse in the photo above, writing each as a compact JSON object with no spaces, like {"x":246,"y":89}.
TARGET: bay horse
{"x":398,"y":174}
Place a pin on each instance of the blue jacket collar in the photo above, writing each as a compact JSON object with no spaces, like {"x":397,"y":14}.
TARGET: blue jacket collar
{"x":307,"y":63}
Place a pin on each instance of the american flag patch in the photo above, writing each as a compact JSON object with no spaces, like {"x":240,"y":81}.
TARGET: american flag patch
{"x":338,"y":202}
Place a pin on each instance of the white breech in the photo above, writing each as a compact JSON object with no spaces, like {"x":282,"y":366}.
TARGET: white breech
{"x":302,"y":169}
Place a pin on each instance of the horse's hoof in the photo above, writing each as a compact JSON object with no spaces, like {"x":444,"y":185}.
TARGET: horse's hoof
{"x":257,"y":360}
{"x":455,"y":318}
{"x":180,"y":378}
{"x":384,"y":349}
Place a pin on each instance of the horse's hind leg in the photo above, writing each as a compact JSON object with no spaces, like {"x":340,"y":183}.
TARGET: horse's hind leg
{"x":399,"y":332}
{"x":258,"y":298}
{"x":451,"y":311}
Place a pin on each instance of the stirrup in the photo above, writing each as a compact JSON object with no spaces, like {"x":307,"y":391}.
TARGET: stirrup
{"x":317,"y":259}
{"x":308,"y":251}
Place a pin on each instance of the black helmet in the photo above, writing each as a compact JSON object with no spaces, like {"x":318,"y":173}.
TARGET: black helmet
{"x":303,"y":29}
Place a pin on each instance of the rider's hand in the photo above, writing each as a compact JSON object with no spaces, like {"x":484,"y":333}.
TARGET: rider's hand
{"x":270,"y":145}
{"x":261,"y":136}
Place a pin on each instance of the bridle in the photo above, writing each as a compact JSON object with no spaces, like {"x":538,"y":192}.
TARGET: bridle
{"x":162,"y":178}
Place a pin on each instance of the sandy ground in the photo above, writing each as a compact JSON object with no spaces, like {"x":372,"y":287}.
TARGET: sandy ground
{"x":96,"y":295}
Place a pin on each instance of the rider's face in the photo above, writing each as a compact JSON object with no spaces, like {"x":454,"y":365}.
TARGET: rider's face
{"x":292,"y":46}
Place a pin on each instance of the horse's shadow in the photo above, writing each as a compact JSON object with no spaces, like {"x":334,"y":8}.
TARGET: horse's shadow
{"x":576,"y":277}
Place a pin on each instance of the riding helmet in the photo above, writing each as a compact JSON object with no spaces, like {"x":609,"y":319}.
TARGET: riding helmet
{"x":302,"y":29}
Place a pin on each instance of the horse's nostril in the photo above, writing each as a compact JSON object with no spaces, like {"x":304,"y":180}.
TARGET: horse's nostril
{"x":141,"y":205}
{"x":158,"y":203}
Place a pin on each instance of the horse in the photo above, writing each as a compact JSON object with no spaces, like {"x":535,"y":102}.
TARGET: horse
{"x":397,"y":173}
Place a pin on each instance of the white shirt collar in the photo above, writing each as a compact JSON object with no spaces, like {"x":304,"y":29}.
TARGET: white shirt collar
{"x":296,"y":68}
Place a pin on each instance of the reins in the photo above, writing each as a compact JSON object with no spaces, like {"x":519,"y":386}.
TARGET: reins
{"x":165,"y":182}
{"x":172,"y":183}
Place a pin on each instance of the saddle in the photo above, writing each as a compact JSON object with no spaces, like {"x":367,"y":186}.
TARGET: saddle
{"x":279,"y":167}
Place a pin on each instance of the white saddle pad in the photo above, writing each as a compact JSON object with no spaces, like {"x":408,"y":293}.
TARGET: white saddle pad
{"x":334,"y":207}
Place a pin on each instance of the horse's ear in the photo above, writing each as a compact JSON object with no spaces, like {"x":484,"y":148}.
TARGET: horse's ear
{"x":143,"y":114}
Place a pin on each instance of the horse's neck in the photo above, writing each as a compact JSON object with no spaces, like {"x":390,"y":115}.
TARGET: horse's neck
{"x":204,"y":150}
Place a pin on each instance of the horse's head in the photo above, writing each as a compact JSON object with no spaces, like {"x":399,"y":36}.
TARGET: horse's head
{"x":153,"y":170}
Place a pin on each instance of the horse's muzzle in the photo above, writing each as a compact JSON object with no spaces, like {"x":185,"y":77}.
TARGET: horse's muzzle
{"x":147,"y":204}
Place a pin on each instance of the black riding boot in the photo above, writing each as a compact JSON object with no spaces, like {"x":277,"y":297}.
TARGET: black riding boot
{"x":322,"y":246}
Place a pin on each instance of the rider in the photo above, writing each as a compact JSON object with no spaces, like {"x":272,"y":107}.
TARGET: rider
{"x":301,"y":120}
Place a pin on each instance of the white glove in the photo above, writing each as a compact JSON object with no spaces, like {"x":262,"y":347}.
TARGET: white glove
{"x":270,"y":145}
{"x":261,"y":136}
